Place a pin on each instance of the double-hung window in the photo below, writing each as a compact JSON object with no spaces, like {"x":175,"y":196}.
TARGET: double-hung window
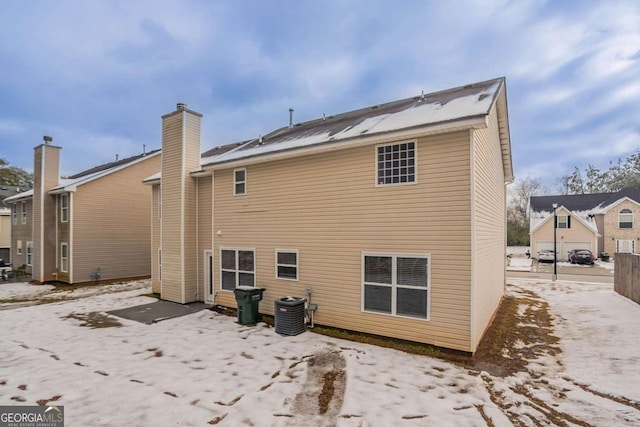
{"x":625,"y":218}
{"x":19,"y":247}
{"x":64,"y":208}
{"x":24,"y":212}
{"x":15,"y":213}
{"x":287,"y":264}
{"x":239,"y":181}
{"x":398,"y":285}
{"x":396,"y":163}
{"x":237,"y":268}
{"x":64,"y":257}
{"x":29,"y":253}
{"x":563,"y":221}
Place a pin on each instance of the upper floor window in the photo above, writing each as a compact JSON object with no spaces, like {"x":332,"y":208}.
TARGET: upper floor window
{"x":396,"y":163}
{"x":625,"y":218}
{"x":159,"y":203}
{"x":64,"y":207}
{"x":15,"y":213}
{"x":396,"y":284}
{"x":563,"y":221}
{"x":240,"y":181}
{"x":24,"y":212}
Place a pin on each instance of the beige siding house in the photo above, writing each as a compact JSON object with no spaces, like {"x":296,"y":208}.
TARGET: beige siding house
{"x":602,"y":222}
{"x":6,"y":221}
{"x":77,"y":229}
{"x":392,"y":216}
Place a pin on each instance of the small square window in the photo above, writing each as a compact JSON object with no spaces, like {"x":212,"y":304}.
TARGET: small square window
{"x":395,"y":164}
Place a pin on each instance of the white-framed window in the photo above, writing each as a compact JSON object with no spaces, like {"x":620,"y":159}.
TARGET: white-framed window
{"x":15,"y":213}
{"x":626,"y":246}
{"x":24,"y":212}
{"x":64,"y":208}
{"x":563,"y":221}
{"x":625,"y":218}
{"x":240,"y":181}
{"x":396,"y":163}
{"x":19,"y":247}
{"x":287,"y":264}
{"x":237,"y":268}
{"x":159,"y":203}
{"x":396,"y":284}
{"x":159,"y":265}
{"x":64,"y":257}
{"x":29,"y":253}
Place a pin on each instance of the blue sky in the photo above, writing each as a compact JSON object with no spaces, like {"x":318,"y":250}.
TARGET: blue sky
{"x":97,"y":76}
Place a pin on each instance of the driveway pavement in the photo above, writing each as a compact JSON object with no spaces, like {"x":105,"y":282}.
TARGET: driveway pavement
{"x":581,"y":273}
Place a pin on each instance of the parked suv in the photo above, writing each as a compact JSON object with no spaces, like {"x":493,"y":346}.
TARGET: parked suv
{"x":581,"y":256}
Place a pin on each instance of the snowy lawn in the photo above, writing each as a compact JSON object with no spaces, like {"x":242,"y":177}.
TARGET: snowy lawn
{"x":205,"y":369}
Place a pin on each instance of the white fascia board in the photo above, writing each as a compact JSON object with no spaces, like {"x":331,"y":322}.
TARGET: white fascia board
{"x":617,"y":202}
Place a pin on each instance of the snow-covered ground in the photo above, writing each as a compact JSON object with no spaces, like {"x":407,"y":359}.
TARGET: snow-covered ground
{"x":205,"y":368}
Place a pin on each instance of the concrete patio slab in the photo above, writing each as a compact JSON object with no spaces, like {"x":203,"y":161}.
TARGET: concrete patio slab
{"x":157,"y":311}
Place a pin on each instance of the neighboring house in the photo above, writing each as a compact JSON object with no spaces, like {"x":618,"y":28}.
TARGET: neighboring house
{"x":393,"y":215}
{"x":603,"y":222}
{"x":91,"y":226}
{"x":5,"y":222}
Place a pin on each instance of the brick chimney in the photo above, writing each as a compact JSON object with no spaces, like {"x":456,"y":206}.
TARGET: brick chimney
{"x":180,"y":156}
{"x":46,"y":175}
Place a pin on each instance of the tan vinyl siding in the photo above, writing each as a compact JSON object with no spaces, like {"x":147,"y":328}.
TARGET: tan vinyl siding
{"x":172,"y":205}
{"x":46,"y":175}
{"x":23,"y":232}
{"x":5,"y":231}
{"x":489,"y":221}
{"x":64,"y":236}
{"x":328,"y":207}
{"x":191,"y":255}
{"x":111,"y":228}
{"x":155,"y":239}
{"x":180,"y":155}
{"x":205,"y":206}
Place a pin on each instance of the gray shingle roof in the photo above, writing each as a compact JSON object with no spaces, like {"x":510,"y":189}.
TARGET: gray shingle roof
{"x":582,"y":202}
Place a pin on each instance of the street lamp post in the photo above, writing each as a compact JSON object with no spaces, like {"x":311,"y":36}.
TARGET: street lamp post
{"x":555,"y":249}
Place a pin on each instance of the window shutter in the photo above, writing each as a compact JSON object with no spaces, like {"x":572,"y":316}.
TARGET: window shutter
{"x":555,"y":222}
{"x":568,"y":221}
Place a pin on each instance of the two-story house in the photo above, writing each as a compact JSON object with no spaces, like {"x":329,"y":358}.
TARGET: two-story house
{"x":88,"y":227}
{"x":5,"y":222}
{"x":393,"y":216}
{"x":602,"y":222}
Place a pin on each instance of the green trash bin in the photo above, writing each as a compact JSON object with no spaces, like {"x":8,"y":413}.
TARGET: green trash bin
{"x":248,"y":299}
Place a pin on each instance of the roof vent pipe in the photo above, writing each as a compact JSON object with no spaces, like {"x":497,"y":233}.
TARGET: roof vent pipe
{"x":116,"y":157}
{"x":47,"y":139}
{"x":144,"y":149}
{"x":180,"y":106}
{"x":290,"y":117}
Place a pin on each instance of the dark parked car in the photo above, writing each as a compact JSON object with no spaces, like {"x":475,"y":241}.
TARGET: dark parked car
{"x":581,"y":256}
